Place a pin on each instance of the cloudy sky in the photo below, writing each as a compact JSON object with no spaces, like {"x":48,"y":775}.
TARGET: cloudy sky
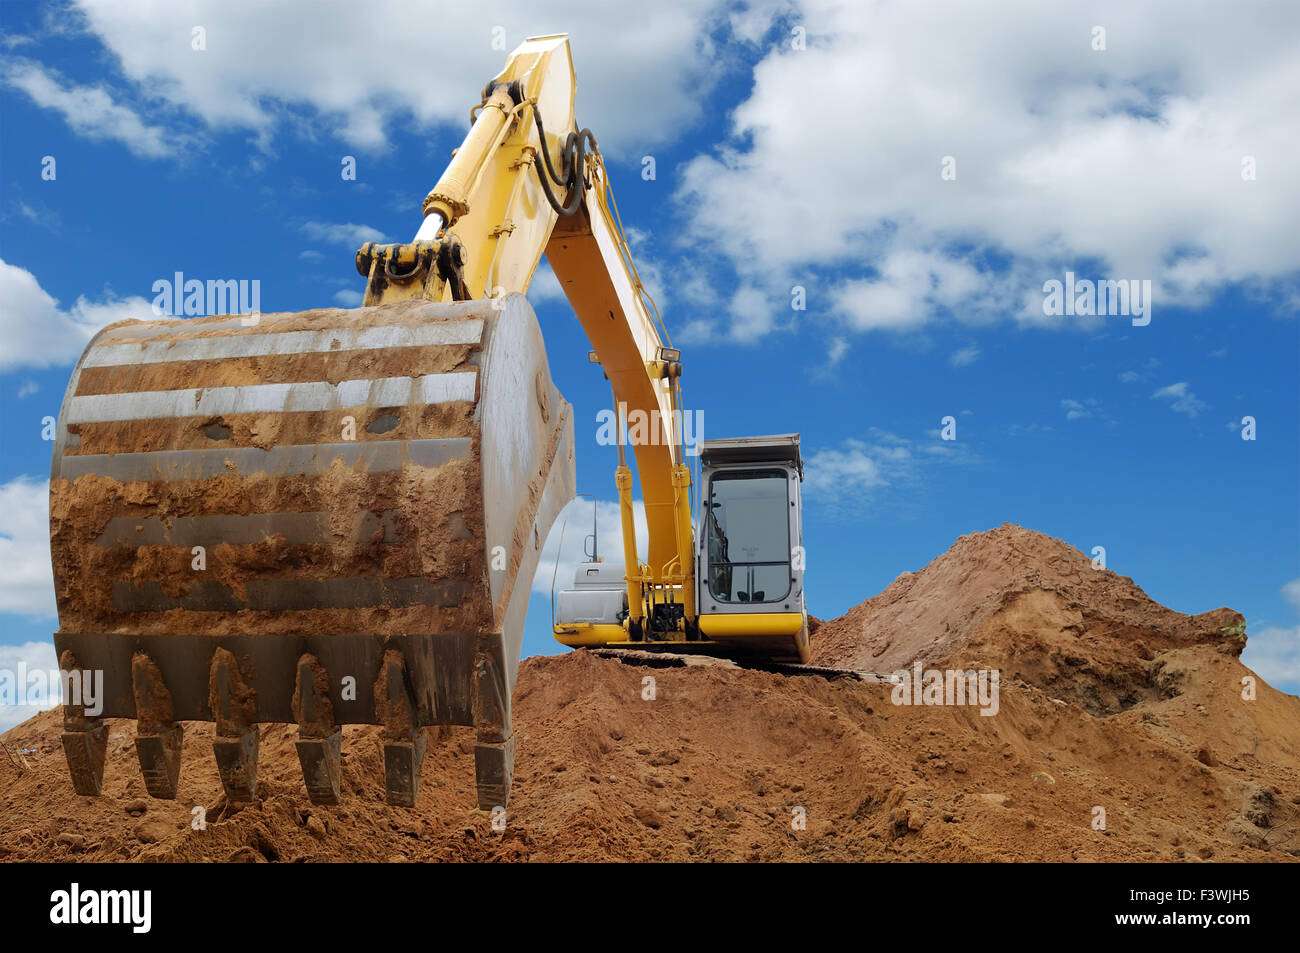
{"x":853,"y":212}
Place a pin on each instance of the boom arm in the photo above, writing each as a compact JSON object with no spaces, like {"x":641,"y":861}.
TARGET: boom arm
{"x":487,"y":223}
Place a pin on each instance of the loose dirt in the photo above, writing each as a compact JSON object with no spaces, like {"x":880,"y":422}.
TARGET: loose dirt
{"x":415,"y":522}
{"x":1121,"y":733}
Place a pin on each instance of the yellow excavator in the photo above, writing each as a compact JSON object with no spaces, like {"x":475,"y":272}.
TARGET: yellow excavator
{"x":333,"y":517}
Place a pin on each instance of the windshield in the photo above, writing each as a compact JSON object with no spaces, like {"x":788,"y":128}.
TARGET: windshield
{"x":748,"y":521}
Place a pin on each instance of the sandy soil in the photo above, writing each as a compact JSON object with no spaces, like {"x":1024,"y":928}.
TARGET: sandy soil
{"x":1106,"y":700}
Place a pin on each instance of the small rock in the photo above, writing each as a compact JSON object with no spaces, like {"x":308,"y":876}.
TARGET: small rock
{"x":1043,"y":779}
{"x":724,"y":813}
{"x":915,"y":818}
{"x":411,"y":828}
{"x":152,"y":832}
{"x":75,"y":842}
{"x":1207,"y":758}
{"x":316,"y":827}
{"x":136,"y":807}
{"x":649,"y":817}
{"x":997,"y":800}
{"x":898,"y":822}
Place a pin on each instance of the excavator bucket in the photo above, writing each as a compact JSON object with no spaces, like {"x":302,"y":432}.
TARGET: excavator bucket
{"x":324,"y":518}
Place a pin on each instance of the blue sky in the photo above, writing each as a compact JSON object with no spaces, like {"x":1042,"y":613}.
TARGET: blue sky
{"x":795,"y":145}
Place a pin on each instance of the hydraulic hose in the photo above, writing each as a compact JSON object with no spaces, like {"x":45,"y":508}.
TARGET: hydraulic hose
{"x":573,"y":161}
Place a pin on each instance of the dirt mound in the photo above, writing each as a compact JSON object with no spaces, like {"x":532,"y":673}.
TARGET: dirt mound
{"x":731,"y":764}
{"x":1033,"y":607}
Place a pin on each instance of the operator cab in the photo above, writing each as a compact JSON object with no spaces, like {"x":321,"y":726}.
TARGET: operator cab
{"x":750,"y":561}
{"x":749,"y":565}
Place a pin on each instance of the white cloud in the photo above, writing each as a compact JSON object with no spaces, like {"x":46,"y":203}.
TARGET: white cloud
{"x":1064,"y":156}
{"x":354,"y":236}
{"x":852,"y":469}
{"x":638,"y":84}
{"x":348,"y":298}
{"x":91,"y":111}
{"x":1291,"y":591}
{"x":964,"y":357}
{"x":42,"y":692}
{"x":1078,"y":410}
{"x":696,"y":331}
{"x":27,"y":583}
{"x":910,"y":286}
{"x":545,"y":286}
{"x":1130,"y":377}
{"x":752,"y":313}
{"x":846,"y":478}
{"x":37,"y":333}
{"x":1073,"y":409}
{"x":609,"y":530}
{"x":1181,"y":399}
{"x":1274,"y":653}
{"x":27,"y":388}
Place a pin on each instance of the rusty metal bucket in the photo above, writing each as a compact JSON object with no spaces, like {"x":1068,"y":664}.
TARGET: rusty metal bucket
{"x":323,"y":518}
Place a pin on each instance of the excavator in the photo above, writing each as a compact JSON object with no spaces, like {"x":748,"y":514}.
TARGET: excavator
{"x":333,"y":517}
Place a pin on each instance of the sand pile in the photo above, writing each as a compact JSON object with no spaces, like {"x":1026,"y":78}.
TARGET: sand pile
{"x":1107,"y":701}
{"x":1032,"y":606}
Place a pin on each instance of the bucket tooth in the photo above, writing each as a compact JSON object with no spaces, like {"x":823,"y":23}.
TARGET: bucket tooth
{"x":160,"y":760}
{"x":237,"y":765}
{"x":85,"y":740}
{"x":494,"y":748}
{"x":320,"y":740}
{"x":234,"y":709}
{"x":494,"y":768}
{"x":86,"y":749}
{"x":321,"y":760}
{"x":158,"y":735}
{"x":404,"y":740}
